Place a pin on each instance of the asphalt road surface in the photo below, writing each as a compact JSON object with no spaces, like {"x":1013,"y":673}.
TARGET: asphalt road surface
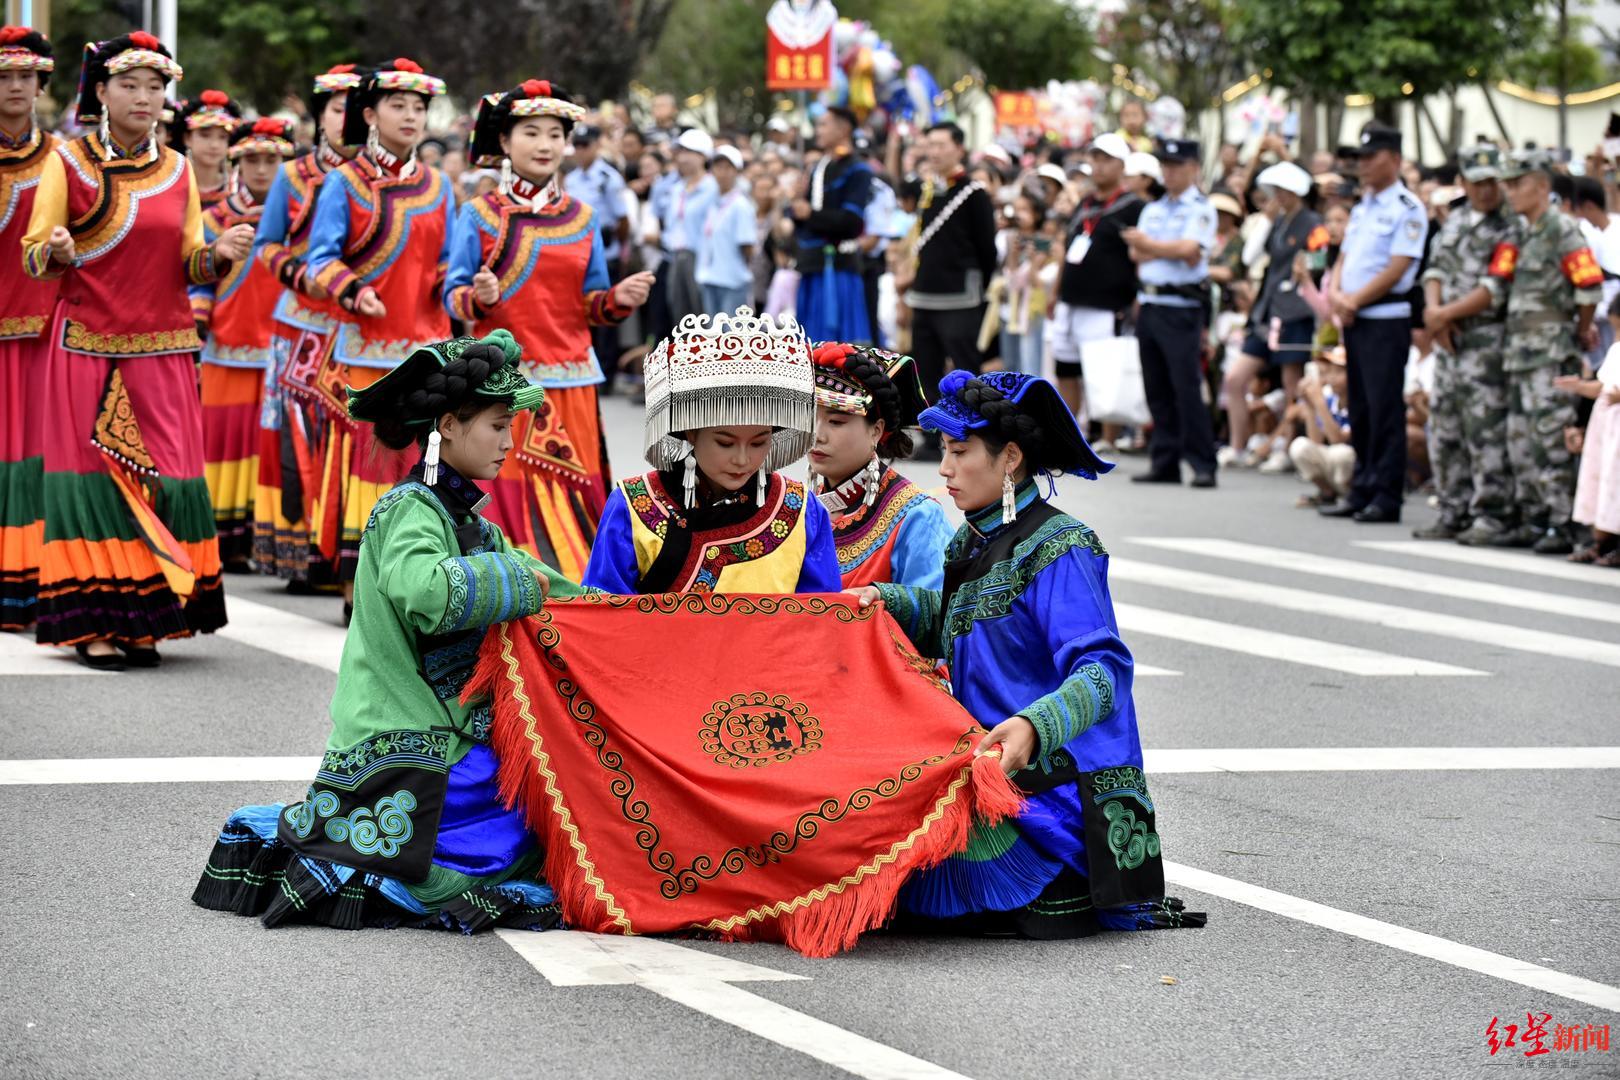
{"x":1386,"y":770}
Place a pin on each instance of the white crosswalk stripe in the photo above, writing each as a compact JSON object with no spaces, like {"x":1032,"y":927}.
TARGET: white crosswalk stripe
{"x":1327,"y":606}
{"x":1344,"y":659}
{"x":1393,"y":577}
{"x":284,"y":633}
{"x":1517,"y":562}
{"x":20,"y":656}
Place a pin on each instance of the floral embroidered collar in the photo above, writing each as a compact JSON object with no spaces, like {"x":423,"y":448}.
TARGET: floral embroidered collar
{"x":462,"y":500}
{"x":328,"y":158}
{"x":534,"y":196}
{"x":390,"y":164}
{"x":25,"y":141}
{"x":848,"y":497}
{"x":987,"y":522}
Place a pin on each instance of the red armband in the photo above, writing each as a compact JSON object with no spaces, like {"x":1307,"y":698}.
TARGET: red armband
{"x":1503,"y":260}
{"x":1582,"y":269}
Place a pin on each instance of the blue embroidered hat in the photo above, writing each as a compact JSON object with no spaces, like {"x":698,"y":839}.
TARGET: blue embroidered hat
{"x":1016,"y":408}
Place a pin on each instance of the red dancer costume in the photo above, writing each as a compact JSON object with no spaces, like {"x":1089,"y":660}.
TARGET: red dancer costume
{"x":236,"y":314}
{"x":130,"y":554}
{"x":291,"y":425}
{"x":545,"y":251}
{"x":381,"y":235}
{"x":25,"y":308}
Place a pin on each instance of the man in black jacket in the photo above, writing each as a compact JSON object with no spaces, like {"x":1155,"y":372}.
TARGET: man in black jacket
{"x":956,"y":256}
{"x":1099,"y":279}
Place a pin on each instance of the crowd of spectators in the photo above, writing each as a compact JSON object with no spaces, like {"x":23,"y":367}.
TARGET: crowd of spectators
{"x":717,"y":216}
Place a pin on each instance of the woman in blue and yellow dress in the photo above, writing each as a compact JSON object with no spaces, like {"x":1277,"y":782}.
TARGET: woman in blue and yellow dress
{"x":885,"y":527}
{"x":1026,"y":625}
{"x":730,"y":401}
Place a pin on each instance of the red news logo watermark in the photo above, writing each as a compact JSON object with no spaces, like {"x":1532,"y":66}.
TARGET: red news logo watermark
{"x":1565,"y":1038}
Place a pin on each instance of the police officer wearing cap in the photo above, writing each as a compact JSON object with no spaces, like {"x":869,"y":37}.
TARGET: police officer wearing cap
{"x":1377,"y":268}
{"x":1171,"y":245}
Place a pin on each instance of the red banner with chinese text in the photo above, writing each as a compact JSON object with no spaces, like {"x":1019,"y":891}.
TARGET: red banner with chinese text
{"x":799,"y":45}
{"x":752,"y":767}
{"x":1017,"y":109}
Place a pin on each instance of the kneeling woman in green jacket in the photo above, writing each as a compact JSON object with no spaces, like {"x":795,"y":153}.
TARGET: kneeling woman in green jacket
{"x":402,"y":824}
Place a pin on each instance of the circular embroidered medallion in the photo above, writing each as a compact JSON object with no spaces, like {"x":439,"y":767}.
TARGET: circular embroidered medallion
{"x":757,"y":729}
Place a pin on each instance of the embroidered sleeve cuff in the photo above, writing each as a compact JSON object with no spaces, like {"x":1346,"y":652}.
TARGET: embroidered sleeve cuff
{"x":487,"y":588}
{"x":202,"y":268}
{"x":37,"y":262}
{"x":917,"y":612}
{"x":464,"y":306}
{"x":337,"y":280}
{"x":603,"y":309}
{"x":202,"y":311}
{"x":1085,"y":698}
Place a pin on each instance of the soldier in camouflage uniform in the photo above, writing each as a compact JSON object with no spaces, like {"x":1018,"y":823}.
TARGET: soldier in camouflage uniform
{"x":1555,"y":283}
{"x":1465,"y":311}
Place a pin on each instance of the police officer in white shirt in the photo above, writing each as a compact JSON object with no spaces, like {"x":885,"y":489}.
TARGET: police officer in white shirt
{"x":1171,"y":245}
{"x":1378,"y":264}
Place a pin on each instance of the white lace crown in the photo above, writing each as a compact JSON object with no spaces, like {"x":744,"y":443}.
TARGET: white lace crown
{"x":725,"y":369}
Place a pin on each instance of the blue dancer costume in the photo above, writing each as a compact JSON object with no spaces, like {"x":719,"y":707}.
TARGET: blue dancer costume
{"x":1026,"y":625}
{"x":832,"y":295}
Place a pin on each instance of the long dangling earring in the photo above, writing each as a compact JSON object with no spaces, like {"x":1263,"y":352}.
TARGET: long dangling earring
{"x":104,"y":133}
{"x":761,"y":486}
{"x":874,"y":472}
{"x":689,"y":480}
{"x":233,"y":183}
{"x":506,"y":177}
{"x":152,"y":142}
{"x":1009,"y":500}
{"x":373,"y":144}
{"x":430,"y":460}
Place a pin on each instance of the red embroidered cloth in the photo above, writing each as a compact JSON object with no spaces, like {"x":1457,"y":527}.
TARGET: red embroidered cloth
{"x":749,"y":767}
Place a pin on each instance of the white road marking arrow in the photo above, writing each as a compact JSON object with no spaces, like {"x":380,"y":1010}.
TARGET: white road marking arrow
{"x":701,"y":981}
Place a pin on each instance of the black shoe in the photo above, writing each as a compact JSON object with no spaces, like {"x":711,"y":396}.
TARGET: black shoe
{"x":1339,"y":510}
{"x":1156,"y":478}
{"x":237,"y":566}
{"x":139,"y":655}
{"x":1554,"y":541}
{"x":1376,"y":515}
{"x":1440,"y":530}
{"x":109,"y":662}
{"x":1203,"y":480}
{"x":348,"y":613}
{"x":1520,"y":536}
{"x":296,"y":587}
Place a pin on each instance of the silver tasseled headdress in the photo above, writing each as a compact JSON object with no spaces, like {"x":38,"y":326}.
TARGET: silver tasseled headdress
{"x":731,"y":369}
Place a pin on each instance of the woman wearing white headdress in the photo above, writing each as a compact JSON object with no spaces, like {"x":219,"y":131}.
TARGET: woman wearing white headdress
{"x":730,"y":401}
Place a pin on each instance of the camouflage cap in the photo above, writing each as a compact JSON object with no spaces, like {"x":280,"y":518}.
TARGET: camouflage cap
{"x":1481,"y":162}
{"x":1525,"y":162}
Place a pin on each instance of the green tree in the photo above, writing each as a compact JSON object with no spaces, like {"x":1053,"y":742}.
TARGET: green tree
{"x":1183,"y":48}
{"x":1386,"y":48}
{"x":1021,"y":43}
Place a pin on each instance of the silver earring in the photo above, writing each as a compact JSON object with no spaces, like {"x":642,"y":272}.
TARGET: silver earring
{"x":430,"y":460}
{"x":761,"y":486}
{"x":1009,"y":500}
{"x":874,"y":472}
{"x":689,"y":481}
{"x":104,"y":133}
{"x":506,"y":177}
{"x":373,"y":144}
{"x":152,"y":142}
